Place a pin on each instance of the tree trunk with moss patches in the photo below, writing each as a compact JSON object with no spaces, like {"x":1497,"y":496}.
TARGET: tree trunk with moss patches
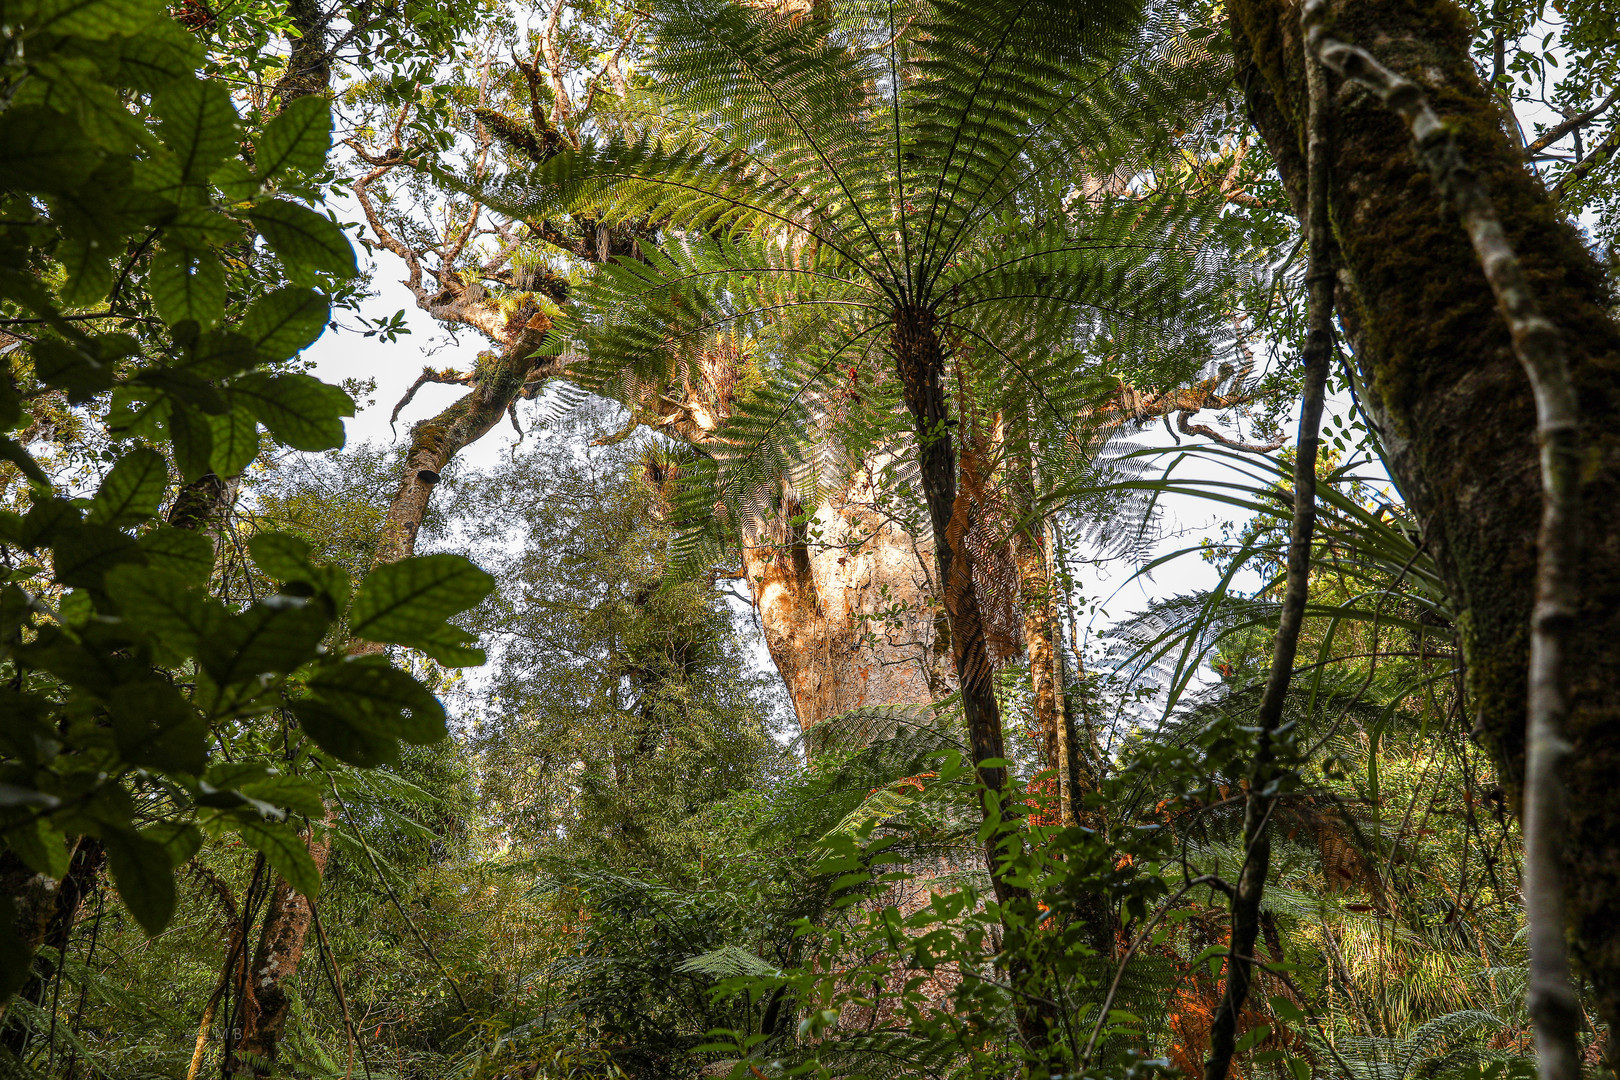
{"x":1455,"y":409}
{"x":435,"y":442}
{"x":275,"y":962}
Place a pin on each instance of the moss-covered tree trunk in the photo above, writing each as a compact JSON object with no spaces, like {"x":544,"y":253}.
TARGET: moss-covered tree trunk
{"x":1454,"y":406}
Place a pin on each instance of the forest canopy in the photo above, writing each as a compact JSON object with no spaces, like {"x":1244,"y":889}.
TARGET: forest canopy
{"x":929,"y":539}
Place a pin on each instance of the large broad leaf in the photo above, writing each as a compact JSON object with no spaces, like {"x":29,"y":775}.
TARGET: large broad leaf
{"x":337,"y":732}
{"x":11,"y":450}
{"x":84,"y":554}
{"x":283,"y":848}
{"x":382,"y":698}
{"x":133,"y":491}
{"x":283,"y":556}
{"x":73,"y":84}
{"x":297,"y":794}
{"x":298,"y":139}
{"x":219,"y":353}
{"x":236,"y":441}
{"x":192,"y":437}
{"x":70,"y":368}
{"x":187,"y":554}
{"x":452,"y":646}
{"x":142,"y":871}
{"x":408,"y":602}
{"x":188,"y":285}
{"x":301,"y":411}
{"x":278,"y":634}
{"x":156,"y":727}
{"x":41,"y":847}
{"x":283,"y":322}
{"x":159,"y":55}
{"x":45,"y":150}
{"x":198,"y":123}
{"x":305,"y":240}
{"x":95,"y":20}
{"x":161,"y":603}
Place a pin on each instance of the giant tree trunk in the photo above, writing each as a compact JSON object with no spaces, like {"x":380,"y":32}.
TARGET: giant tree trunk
{"x":851,"y":617}
{"x":1454,"y":406}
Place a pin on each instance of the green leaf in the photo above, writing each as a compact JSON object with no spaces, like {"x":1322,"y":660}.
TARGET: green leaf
{"x":73,"y":85}
{"x":278,"y":634}
{"x":181,"y":840}
{"x":200,"y":229}
{"x":282,"y":323}
{"x":156,"y":727}
{"x":298,"y":795}
{"x":163,"y":604}
{"x":235,"y":180}
{"x":193,"y":439}
{"x":70,"y":368}
{"x":93,"y":20}
{"x":188,"y":285}
{"x":408,"y":602}
{"x":160,"y":54}
{"x":46,"y":151}
{"x":282,"y":556}
{"x":11,"y":450}
{"x":301,"y":411}
{"x":298,"y":138}
{"x":16,"y":955}
{"x":236,"y":441}
{"x":1286,"y":1010}
{"x":220,"y":353}
{"x":336,"y":731}
{"x":452,"y":646}
{"x":304,"y":239}
{"x":141,"y":870}
{"x":198,"y":123}
{"x":1252,"y":1038}
{"x":283,"y":848}
{"x":133,"y":491}
{"x":85,"y":553}
{"x":40,"y":846}
{"x":188,"y":555}
{"x":383,"y":699}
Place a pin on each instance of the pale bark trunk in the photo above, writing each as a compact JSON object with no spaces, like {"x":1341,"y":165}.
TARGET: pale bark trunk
{"x":851,"y":619}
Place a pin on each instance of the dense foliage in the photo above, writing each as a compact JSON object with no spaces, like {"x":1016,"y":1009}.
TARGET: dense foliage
{"x":837,"y":315}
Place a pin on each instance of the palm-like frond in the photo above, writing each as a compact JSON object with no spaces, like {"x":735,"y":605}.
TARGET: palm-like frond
{"x":811,"y":179}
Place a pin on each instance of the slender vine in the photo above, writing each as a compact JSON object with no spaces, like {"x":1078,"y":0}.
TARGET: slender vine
{"x":1264,"y":776}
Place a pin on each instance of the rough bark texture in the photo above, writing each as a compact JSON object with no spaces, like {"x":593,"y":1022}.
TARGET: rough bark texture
{"x":920,"y":356}
{"x":850,"y":621}
{"x":1455,"y":408}
{"x":275,"y":962}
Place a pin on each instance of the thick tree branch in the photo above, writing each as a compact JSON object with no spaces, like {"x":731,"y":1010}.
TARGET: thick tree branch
{"x":1579,"y":120}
